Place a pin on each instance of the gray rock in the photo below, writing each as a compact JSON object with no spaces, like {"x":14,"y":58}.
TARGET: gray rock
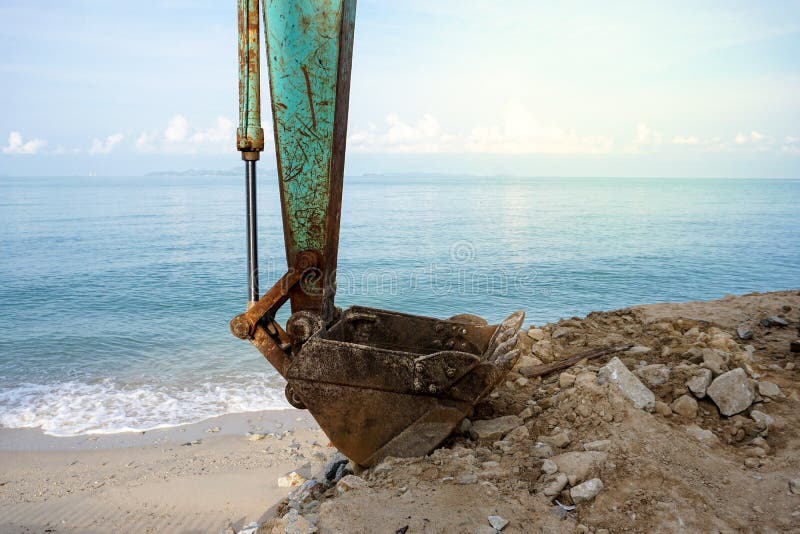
{"x":744,"y":332}
{"x":250,"y":528}
{"x":732,"y":392}
{"x":586,"y":491}
{"x":468,"y":479}
{"x":331,"y":468}
{"x":492,"y":429}
{"x":309,"y":491}
{"x":764,"y":421}
{"x":685,"y":406}
{"x":715,"y":361}
{"x":638,"y":350}
{"x":558,"y":440}
{"x":556,"y":484}
{"x":769,"y":389}
{"x":561,"y":332}
{"x":599,"y":445}
{"x":794,"y":486}
{"x":699,"y":383}
{"x":654,"y":375}
{"x":541,"y":450}
{"x":579,"y":465}
{"x":549,"y":467}
{"x":616,"y":372}
{"x":774,"y":320}
{"x":497,"y":522}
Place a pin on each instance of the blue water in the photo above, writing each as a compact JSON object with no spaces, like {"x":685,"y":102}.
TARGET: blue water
{"x":115,"y":293}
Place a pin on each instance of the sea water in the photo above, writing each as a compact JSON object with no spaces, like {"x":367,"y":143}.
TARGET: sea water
{"x":115,"y":293}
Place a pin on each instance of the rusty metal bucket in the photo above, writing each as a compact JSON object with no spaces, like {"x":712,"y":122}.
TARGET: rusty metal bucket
{"x":383,"y":383}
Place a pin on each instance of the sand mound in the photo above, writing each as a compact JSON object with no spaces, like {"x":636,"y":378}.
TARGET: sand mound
{"x":695,"y":428}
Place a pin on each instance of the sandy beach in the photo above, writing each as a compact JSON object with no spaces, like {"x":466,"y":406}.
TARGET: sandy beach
{"x":182,"y":479}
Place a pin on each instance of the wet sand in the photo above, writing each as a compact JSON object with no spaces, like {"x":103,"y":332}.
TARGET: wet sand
{"x":182,"y":479}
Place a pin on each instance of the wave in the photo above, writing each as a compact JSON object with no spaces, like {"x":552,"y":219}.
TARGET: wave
{"x":109,"y":406}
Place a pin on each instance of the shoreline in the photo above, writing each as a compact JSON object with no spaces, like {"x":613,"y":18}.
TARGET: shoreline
{"x":265,"y":421}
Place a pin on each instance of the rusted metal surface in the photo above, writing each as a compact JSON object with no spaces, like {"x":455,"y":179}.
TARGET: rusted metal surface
{"x":249,"y":135}
{"x":309,"y":51}
{"x":380,"y":382}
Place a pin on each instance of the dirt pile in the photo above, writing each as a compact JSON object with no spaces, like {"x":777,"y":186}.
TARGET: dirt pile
{"x":694,"y":428}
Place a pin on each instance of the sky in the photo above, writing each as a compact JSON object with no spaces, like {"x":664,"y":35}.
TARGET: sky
{"x":529,"y":88}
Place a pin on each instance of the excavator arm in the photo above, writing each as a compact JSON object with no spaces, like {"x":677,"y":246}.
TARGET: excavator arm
{"x":379,"y":383}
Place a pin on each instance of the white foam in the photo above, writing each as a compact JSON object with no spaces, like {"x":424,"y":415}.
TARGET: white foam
{"x":108,"y":406}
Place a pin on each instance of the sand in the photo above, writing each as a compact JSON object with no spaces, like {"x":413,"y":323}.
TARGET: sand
{"x":153,"y":482}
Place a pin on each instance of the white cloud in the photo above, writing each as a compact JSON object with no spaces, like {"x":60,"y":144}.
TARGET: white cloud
{"x":645,"y":139}
{"x":107,"y":145}
{"x":517,"y":133}
{"x":180,"y":137}
{"x":17,"y":145}
{"x":685,"y":140}
{"x":423,"y":137}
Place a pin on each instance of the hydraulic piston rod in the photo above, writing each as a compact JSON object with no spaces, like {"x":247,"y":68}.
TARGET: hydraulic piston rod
{"x":250,"y":135}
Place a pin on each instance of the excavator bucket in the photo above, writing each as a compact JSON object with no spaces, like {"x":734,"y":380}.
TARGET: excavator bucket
{"x":383,"y":383}
{"x":379,"y":383}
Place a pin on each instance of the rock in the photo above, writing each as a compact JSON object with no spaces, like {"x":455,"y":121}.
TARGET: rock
{"x":764,"y":421}
{"x":654,"y":375}
{"x":554,"y":487}
{"x":559,"y":439}
{"x":692,"y":332}
{"x":769,"y":389}
{"x":332,"y":466}
{"x":309,"y":491}
{"x":663,"y":409}
{"x":497,"y":522}
{"x":521,"y":381}
{"x":537,"y":334}
{"x":250,"y":528}
{"x":585,"y":378}
{"x":586,"y":491}
{"x":714,"y":361}
{"x":527,"y":361}
{"x":291,"y":480}
{"x":492,"y":429}
{"x":685,"y":406}
{"x":732,"y":392}
{"x":561,"y":332}
{"x":699,"y":383}
{"x":350,"y":483}
{"x":744,"y":332}
{"x":549,"y":467}
{"x":213,"y":429}
{"x":468,"y":479}
{"x":599,"y":445}
{"x":518,"y":434}
{"x":579,"y":465}
{"x":702,"y":435}
{"x":465,"y":426}
{"x":638,"y":350}
{"x":616,"y":372}
{"x":566,"y":380}
{"x":294,"y":523}
{"x":774,"y":320}
{"x":752,"y":463}
{"x":794,"y":346}
{"x":527,"y":413}
{"x":541,"y":450}
{"x":794,"y":486}
{"x":255,"y":436}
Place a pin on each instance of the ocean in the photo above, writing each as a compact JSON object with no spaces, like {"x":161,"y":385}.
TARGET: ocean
{"x":115,"y":293}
